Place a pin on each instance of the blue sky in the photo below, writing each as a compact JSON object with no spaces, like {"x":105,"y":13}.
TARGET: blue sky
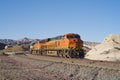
{"x":92,"y":19}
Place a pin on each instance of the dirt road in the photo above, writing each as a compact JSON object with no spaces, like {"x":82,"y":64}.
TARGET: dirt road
{"x":33,"y":67}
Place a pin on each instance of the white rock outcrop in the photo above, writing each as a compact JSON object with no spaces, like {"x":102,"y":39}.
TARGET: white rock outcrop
{"x":108,"y":50}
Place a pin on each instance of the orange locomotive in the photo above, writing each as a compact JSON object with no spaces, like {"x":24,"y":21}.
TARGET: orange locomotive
{"x":68,"y":45}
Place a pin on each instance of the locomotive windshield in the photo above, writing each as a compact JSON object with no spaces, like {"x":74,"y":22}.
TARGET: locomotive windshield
{"x":77,"y":36}
{"x":70,"y":37}
{"x":73,"y":36}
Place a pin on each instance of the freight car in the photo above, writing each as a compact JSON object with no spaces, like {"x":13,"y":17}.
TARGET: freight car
{"x":67,"y":45}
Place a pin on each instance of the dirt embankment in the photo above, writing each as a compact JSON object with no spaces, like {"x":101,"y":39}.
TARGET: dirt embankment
{"x":34,"y":68}
{"x":108,"y":50}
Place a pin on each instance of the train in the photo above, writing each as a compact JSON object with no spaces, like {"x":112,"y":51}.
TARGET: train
{"x":68,"y":45}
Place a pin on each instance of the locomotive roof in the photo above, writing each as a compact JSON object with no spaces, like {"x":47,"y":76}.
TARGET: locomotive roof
{"x":71,"y":34}
{"x":56,"y":38}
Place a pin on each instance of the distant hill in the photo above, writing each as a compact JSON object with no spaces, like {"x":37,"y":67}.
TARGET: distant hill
{"x":89,"y":45}
{"x":8,"y":41}
{"x":24,"y":40}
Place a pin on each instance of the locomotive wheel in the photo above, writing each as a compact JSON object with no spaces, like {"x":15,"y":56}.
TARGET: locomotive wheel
{"x":67,"y":54}
{"x":41,"y":53}
{"x":71,"y":54}
{"x":37,"y":51}
{"x":81,"y":54}
{"x":31,"y":51}
{"x":63,"y":53}
{"x":44,"y":52}
{"x":60,"y":53}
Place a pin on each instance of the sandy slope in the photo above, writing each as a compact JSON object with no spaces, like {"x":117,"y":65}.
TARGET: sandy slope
{"x":108,"y":50}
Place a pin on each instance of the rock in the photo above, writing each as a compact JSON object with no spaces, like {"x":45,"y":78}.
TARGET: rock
{"x":108,"y":50}
{"x":2,"y":46}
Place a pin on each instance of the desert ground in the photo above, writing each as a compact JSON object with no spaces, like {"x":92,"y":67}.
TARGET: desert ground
{"x":36,"y":67}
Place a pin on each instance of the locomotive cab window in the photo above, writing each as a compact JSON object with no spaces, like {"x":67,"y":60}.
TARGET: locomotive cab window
{"x":77,"y":36}
{"x":73,"y":36}
{"x":70,"y":37}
